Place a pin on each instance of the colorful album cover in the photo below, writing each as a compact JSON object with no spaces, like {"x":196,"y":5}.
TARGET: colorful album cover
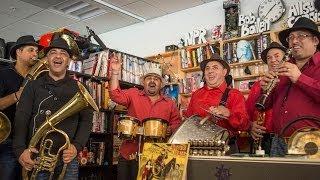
{"x":163,"y":161}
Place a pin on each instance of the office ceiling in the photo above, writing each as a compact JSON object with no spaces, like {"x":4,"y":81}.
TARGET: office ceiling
{"x":36,"y":17}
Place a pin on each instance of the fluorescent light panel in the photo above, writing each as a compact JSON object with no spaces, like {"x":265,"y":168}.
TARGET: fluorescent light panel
{"x":120,"y":10}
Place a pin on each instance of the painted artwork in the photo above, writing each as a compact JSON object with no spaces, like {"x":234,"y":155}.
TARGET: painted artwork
{"x":172,"y":91}
{"x":163,"y":161}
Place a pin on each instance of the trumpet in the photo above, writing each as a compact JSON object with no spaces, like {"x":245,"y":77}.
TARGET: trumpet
{"x":260,"y":104}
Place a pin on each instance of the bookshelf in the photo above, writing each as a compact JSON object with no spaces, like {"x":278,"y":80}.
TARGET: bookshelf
{"x":244,"y":72}
{"x":101,"y":140}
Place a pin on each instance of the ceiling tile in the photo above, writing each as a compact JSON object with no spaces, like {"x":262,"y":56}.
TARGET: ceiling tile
{"x":23,"y":27}
{"x":56,"y":20}
{"x":144,"y":10}
{"x":5,"y":20}
{"x":120,"y":3}
{"x":18,"y":8}
{"x":170,"y":6}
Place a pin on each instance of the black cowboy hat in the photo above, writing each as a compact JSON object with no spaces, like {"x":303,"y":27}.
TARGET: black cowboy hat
{"x":273,"y":45}
{"x":302,"y":23}
{"x":215,"y":57}
{"x":60,"y":44}
{"x":23,"y":41}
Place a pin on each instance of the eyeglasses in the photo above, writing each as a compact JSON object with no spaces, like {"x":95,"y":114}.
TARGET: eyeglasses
{"x":300,"y":37}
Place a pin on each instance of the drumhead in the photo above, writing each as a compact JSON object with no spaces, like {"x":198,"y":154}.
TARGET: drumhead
{"x":155,"y":119}
{"x":131,"y":118}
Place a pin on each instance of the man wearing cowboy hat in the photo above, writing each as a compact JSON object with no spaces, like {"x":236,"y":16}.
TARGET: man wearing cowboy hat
{"x":141,"y":104}
{"x":24,"y":51}
{"x":217,"y":99}
{"x":44,"y":96}
{"x":272,"y":56}
{"x":298,"y":91}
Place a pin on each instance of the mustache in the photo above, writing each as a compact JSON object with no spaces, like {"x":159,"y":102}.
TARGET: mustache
{"x":151,"y":83}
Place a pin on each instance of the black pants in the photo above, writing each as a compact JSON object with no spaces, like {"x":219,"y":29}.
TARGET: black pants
{"x":127,"y":169}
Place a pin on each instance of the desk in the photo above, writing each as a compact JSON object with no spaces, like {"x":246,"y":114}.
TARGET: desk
{"x":256,"y":168}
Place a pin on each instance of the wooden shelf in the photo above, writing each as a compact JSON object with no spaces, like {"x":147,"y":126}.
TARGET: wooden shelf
{"x":203,"y":44}
{"x":245,"y":37}
{"x":163,"y":55}
{"x":193,"y":69}
{"x":246,"y":77}
{"x":248,"y":63}
{"x":88,"y":76}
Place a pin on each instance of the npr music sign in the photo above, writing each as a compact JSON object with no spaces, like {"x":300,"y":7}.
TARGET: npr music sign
{"x":252,"y":25}
{"x":196,"y":36}
{"x":302,"y":9}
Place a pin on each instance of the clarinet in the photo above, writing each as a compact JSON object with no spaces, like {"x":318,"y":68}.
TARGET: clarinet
{"x":260,"y":104}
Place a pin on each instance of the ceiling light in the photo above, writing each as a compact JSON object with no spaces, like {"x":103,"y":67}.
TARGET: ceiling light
{"x":120,"y":10}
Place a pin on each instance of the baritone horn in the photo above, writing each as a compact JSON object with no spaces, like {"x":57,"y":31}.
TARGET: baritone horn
{"x":261,"y":103}
{"x":46,"y":160}
{"x":5,"y":127}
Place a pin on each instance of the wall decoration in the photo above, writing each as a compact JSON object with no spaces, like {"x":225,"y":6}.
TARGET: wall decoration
{"x":196,"y":36}
{"x":302,"y":9}
{"x":232,"y":9}
{"x":217,"y":32}
{"x":244,"y":51}
{"x":271,"y":10}
{"x":252,"y":25}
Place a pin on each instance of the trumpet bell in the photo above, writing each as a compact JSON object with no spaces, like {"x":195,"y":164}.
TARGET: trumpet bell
{"x":5,"y":127}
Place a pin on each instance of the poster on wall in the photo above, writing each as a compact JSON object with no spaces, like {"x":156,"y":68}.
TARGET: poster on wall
{"x":163,"y":161}
{"x":232,"y":9}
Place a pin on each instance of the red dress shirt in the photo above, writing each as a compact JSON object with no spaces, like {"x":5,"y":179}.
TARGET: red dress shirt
{"x":253,"y":113}
{"x":204,"y":98}
{"x":140,"y":106}
{"x":291,"y":100}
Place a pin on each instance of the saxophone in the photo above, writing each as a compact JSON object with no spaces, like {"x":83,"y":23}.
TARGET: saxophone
{"x":46,"y":160}
{"x":261,"y":103}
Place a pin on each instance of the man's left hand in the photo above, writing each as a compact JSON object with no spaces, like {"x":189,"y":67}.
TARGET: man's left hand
{"x":69,"y":154}
{"x":220,"y":110}
{"x":290,"y":70}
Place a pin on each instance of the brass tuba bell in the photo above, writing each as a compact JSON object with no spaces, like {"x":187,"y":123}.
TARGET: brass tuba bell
{"x":47,"y":160}
{"x":5,"y":127}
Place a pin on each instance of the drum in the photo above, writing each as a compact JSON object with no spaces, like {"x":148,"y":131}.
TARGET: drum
{"x":155,"y":128}
{"x":127,"y":127}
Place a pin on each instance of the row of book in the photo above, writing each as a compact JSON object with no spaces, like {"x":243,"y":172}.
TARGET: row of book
{"x":192,"y":57}
{"x":98,"y":65}
{"x":191,"y":82}
{"x":245,"y":50}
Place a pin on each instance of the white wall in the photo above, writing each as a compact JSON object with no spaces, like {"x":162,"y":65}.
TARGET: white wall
{"x":151,"y":37}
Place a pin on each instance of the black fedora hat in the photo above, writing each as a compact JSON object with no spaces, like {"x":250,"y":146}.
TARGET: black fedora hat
{"x":60,"y":44}
{"x":273,"y":45}
{"x":23,"y":41}
{"x":215,"y":57}
{"x":302,"y":23}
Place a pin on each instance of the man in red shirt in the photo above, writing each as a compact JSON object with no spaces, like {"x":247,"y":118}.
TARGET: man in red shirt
{"x":141,"y":104}
{"x":272,"y":56}
{"x":210,"y":98}
{"x":298,"y":91}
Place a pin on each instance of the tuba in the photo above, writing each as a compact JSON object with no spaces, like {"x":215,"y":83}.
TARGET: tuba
{"x":46,"y":160}
{"x":261,"y":103}
{"x":40,"y":67}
